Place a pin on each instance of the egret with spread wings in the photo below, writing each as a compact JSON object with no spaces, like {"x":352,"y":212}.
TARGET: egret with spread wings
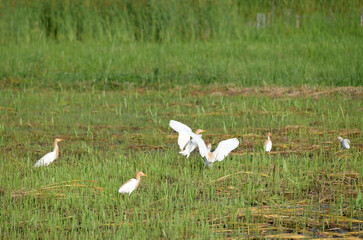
{"x":186,"y":144}
{"x":222,"y":150}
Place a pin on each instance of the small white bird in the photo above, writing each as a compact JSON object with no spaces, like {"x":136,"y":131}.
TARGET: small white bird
{"x":186,"y":144}
{"x":345,"y":142}
{"x":132,"y":184}
{"x":222,"y":150}
{"x":267,"y":145}
{"x":49,"y":157}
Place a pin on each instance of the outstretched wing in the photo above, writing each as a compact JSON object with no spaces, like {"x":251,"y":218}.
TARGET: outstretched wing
{"x":177,"y":126}
{"x":224,"y":148}
{"x":184,"y":132}
{"x":203,"y":150}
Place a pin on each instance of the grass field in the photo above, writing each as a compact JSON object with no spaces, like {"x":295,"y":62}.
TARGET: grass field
{"x":307,"y":186}
{"x":283,"y":61}
{"x":108,"y":76}
{"x":85,"y":45}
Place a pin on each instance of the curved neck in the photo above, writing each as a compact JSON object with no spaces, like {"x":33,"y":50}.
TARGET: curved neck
{"x":56,"y":149}
{"x":138,"y":177}
{"x":268,"y":137}
{"x":55,"y":145}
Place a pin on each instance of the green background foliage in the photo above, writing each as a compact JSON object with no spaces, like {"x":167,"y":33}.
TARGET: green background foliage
{"x":105,"y":44}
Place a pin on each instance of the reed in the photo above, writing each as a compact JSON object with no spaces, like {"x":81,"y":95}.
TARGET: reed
{"x":169,"y":20}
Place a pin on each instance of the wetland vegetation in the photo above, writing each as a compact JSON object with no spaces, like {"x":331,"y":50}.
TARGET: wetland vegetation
{"x":107,"y":76}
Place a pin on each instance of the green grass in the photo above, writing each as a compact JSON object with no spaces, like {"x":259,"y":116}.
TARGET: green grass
{"x":306,"y":186}
{"x":282,"y":61}
{"x":109,"y":75}
{"x":169,"y":20}
{"x":107,"y":45}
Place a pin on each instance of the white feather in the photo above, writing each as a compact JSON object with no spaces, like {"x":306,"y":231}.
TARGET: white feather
{"x":177,"y":126}
{"x":184,"y":133}
{"x":189,"y":147}
{"x":203,"y":150}
{"x":186,"y":144}
{"x":183,"y":139}
{"x":267,"y":146}
{"x":224,"y":148}
{"x":46,"y":160}
{"x":345,"y":144}
{"x":129,"y":186}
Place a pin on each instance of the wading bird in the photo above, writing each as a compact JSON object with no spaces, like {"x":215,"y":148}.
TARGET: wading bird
{"x":222,"y":150}
{"x":345,"y":142}
{"x":186,"y":144}
{"x":267,"y":145}
{"x":132,"y":184}
{"x":49,"y":157}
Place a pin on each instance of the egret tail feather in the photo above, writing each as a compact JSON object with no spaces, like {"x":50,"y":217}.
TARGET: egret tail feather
{"x":184,"y":153}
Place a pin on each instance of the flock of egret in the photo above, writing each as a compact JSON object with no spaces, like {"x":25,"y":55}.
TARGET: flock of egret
{"x":187,"y":141}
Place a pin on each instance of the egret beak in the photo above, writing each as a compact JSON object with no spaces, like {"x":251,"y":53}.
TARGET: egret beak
{"x":145,"y":175}
{"x":61,"y":139}
{"x":202,"y":130}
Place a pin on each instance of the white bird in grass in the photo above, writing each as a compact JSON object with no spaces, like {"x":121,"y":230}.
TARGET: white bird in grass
{"x":267,"y":145}
{"x":222,"y":150}
{"x":49,"y":157}
{"x":345,"y":142}
{"x":132,"y":184}
{"x":186,"y":144}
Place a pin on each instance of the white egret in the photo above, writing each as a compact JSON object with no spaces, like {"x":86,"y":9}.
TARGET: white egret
{"x":345,"y":142}
{"x":267,"y":145}
{"x":132,"y":184}
{"x":49,"y":157}
{"x":222,"y":150}
{"x":186,"y":144}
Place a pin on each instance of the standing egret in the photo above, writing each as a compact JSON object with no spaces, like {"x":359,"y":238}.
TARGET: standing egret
{"x":267,"y":145}
{"x":222,"y":150}
{"x":132,"y":184}
{"x":49,"y":157}
{"x":345,"y":142}
{"x":186,"y":144}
